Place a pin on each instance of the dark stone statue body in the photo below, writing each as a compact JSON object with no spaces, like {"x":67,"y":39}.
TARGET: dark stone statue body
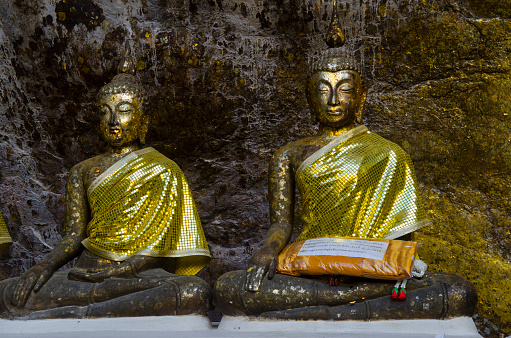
{"x":337,"y":97}
{"x":96,"y":286}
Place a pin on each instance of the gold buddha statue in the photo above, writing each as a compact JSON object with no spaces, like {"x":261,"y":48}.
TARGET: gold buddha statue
{"x":131,"y":221}
{"x":353,"y":183}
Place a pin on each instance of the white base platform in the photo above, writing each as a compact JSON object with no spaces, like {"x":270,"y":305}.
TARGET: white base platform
{"x":245,"y":327}
{"x":198,"y":326}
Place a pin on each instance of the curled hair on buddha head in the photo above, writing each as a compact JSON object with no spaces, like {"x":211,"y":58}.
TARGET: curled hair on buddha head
{"x":334,"y":60}
{"x":126,"y":82}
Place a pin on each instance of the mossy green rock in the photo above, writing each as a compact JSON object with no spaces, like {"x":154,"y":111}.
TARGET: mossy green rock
{"x":447,"y":102}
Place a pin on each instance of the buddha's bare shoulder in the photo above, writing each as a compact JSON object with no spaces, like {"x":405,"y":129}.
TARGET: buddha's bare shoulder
{"x":96,"y":161}
{"x":295,"y":152}
{"x":90,"y":169}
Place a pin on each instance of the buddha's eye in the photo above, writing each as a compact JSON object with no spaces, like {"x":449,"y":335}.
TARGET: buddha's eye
{"x":322,"y":88}
{"x":346,"y":87}
{"x":125,"y":108}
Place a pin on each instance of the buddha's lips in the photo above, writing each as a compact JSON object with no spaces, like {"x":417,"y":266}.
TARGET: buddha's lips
{"x":334,"y":112}
{"x":115,"y":130}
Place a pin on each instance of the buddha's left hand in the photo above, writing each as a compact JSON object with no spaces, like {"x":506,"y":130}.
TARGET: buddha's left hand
{"x":126,"y":269}
{"x":123,"y":270}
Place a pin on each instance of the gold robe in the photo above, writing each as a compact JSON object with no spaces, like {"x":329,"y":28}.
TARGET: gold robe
{"x":142,"y":205}
{"x":5,"y":238}
{"x":359,"y":185}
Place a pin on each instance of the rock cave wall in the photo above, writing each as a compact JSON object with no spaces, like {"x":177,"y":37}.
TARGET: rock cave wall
{"x":227,"y":82}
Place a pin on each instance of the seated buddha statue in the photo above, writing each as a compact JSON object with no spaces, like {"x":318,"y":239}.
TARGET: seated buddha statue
{"x":131,"y":221}
{"x":353,"y":183}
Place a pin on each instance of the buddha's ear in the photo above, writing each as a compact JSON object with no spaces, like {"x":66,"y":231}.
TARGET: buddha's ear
{"x":360,"y":111}
{"x":143,"y":129}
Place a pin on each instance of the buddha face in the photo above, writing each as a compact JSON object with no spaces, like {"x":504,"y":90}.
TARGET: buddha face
{"x":336,"y":98}
{"x":121,"y":120}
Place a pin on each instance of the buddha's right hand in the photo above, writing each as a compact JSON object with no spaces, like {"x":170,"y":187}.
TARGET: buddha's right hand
{"x":262,"y":263}
{"x":33,"y":279}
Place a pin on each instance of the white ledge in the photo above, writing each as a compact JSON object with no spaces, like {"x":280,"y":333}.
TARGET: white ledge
{"x":149,"y":324}
{"x":199,"y":326}
{"x":456,"y":327}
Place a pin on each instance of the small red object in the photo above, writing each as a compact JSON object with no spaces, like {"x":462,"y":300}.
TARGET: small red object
{"x":402,"y":294}
{"x":395,"y":295}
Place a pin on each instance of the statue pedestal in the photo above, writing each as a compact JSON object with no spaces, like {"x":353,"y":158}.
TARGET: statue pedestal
{"x":247,"y":327}
{"x":126,"y":327}
{"x":198,"y":326}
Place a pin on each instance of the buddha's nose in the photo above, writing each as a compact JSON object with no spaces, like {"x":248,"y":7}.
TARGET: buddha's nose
{"x":334,"y":99}
{"x":113,"y":119}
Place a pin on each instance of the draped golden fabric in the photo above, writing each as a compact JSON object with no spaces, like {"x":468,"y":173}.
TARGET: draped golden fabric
{"x":5,"y":238}
{"x":142,"y":205}
{"x":359,"y":185}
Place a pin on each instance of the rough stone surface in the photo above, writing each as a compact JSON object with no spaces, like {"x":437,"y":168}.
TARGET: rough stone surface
{"x":227,"y":86}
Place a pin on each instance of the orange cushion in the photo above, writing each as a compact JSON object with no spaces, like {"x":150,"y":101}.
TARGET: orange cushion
{"x":361,"y":257}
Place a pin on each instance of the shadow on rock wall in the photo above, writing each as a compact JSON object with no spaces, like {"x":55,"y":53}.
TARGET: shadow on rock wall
{"x":227,"y":89}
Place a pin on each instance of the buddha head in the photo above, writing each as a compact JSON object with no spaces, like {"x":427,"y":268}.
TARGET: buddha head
{"x":336,"y":89}
{"x":123,"y":120}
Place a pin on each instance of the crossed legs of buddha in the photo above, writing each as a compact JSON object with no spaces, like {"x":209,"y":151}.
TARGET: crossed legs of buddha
{"x":435,"y":296}
{"x":152,"y":293}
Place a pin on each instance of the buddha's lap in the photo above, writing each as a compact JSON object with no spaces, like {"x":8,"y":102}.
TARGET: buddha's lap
{"x":286,"y":292}
{"x":61,"y":291}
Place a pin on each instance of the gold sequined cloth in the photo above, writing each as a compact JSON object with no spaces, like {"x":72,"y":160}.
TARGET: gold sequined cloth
{"x":359,"y":185}
{"x":142,"y":205}
{"x":5,"y":238}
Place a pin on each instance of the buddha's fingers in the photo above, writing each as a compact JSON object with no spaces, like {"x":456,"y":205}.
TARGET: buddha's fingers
{"x":272,"y":268}
{"x":248,"y":277}
{"x":23,"y":289}
{"x":79,"y":275}
{"x":85,"y":276}
{"x":98,"y":277}
{"x":43,"y":278}
{"x":18,"y":291}
{"x":254,"y":278}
